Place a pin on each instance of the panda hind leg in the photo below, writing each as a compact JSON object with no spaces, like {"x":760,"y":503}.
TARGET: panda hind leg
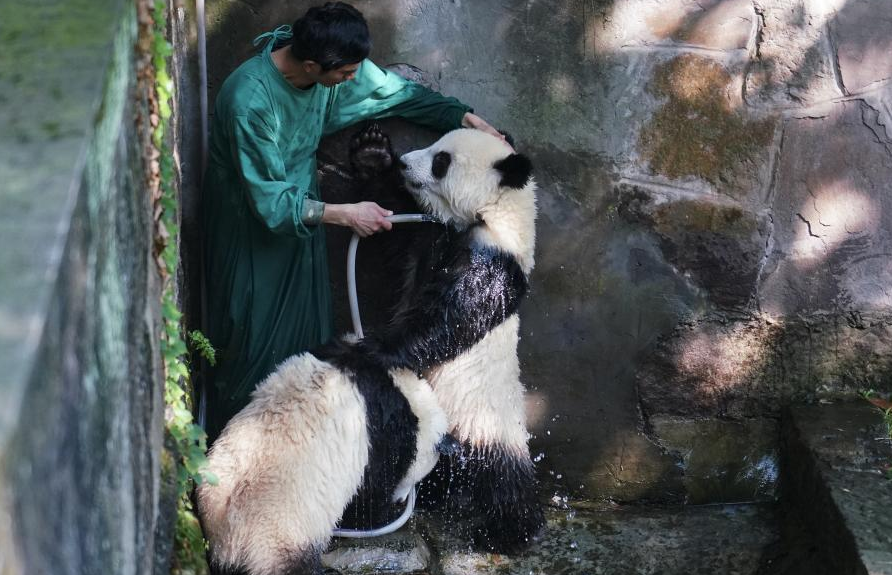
{"x":499,"y":485}
{"x":507,"y":492}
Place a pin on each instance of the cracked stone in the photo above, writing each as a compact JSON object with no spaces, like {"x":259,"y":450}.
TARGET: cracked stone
{"x":860,"y":33}
{"x":701,"y":130}
{"x":832,"y":217}
{"x":794,"y":65}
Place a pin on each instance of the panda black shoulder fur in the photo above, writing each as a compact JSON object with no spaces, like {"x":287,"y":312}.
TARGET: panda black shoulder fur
{"x":317,"y":430}
{"x":457,"y":323}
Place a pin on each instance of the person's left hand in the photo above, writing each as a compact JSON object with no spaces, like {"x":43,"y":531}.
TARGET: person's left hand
{"x":471,"y":120}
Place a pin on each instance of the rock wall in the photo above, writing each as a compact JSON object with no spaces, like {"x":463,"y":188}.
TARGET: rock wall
{"x":714,"y":231}
{"x":80,"y":377}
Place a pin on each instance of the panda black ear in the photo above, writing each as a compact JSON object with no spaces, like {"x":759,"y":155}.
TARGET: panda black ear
{"x":516,"y":170}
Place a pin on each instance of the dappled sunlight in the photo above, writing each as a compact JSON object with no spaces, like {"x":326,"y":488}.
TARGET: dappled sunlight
{"x":562,"y":88}
{"x":824,"y":9}
{"x":710,"y":24}
{"x":721,"y":361}
{"x":537,"y":409}
{"x":833,"y":213}
{"x":626,"y":24}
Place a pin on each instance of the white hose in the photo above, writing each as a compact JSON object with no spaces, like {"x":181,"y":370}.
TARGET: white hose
{"x":357,"y":329}
{"x":351,"y":265}
{"x":389,"y":528}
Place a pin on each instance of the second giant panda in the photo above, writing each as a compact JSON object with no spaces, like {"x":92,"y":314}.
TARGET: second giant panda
{"x":323,"y":429}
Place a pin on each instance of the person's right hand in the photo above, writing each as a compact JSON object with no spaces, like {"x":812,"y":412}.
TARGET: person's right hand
{"x":364,"y":218}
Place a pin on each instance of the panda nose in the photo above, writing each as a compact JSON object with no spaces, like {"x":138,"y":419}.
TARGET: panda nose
{"x":401,"y":164}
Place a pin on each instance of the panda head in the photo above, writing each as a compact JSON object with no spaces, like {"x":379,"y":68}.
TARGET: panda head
{"x":469,"y":177}
{"x":463,"y":173}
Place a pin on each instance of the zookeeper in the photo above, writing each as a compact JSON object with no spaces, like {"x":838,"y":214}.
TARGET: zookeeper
{"x":266,"y":269}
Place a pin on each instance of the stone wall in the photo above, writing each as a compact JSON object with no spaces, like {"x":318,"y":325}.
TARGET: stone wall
{"x":80,"y":377}
{"x":714,"y":231}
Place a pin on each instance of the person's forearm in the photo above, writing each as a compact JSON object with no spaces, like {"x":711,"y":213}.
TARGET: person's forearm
{"x":336,"y":214}
{"x":364,"y":218}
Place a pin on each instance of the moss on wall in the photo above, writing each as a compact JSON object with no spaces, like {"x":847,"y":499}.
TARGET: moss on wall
{"x":696,"y":132}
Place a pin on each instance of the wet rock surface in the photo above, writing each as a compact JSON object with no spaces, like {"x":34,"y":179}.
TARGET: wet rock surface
{"x":750,"y":365}
{"x":611,"y":541}
{"x":402,"y":552}
{"x":721,"y":460}
{"x":836,"y":483}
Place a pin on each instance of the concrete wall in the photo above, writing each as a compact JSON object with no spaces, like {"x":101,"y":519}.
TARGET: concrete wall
{"x":81,"y":412}
{"x":714,"y":228}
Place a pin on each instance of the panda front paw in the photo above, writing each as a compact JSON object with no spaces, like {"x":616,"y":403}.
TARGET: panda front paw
{"x":370,"y":152}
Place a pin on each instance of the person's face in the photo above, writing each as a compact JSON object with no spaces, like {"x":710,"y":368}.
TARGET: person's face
{"x":335,"y":76}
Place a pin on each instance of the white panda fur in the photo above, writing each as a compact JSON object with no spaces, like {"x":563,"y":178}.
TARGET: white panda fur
{"x":458,"y":325}
{"x":290,"y":462}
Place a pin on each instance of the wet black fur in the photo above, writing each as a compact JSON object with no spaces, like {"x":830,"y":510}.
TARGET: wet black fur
{"x":463,"y":294}
{"x":392,"y":428}
{"x":455,"y":293}
{"x":491,"y":490}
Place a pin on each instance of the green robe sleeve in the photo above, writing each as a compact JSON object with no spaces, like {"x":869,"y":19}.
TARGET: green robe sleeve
{"x":376,"y":93}
{"x":277,"y":202}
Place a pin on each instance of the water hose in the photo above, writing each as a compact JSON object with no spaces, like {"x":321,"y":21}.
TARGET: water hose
{"x":357,"y":329}
{"x":351,"y":264}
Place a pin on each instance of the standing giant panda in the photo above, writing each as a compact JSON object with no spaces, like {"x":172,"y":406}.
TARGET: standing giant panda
{"x":320,"y":428}
{"x":457,"y":323}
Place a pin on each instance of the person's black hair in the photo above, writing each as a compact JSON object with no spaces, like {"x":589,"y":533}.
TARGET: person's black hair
{"x":332,"y":35}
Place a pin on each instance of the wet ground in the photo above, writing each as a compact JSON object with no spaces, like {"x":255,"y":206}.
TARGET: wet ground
{"x":585,"y":540}
{"x":832,"y":518}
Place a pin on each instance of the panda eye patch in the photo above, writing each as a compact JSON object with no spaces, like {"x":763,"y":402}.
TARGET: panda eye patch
{"x":440,"y":164}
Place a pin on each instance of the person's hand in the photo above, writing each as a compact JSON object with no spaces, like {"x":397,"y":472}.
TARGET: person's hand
{"x":471,"y":120}
{"x":364,"y":218}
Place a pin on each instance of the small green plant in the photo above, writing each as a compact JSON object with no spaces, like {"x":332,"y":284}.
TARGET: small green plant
{"x":190,"y":440}
{"x":202,"y":345}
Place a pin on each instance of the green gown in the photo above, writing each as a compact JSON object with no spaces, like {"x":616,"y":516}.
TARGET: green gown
{"x":266,"y":271}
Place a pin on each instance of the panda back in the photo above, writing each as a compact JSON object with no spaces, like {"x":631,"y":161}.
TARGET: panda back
{"x":302,"y":444}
